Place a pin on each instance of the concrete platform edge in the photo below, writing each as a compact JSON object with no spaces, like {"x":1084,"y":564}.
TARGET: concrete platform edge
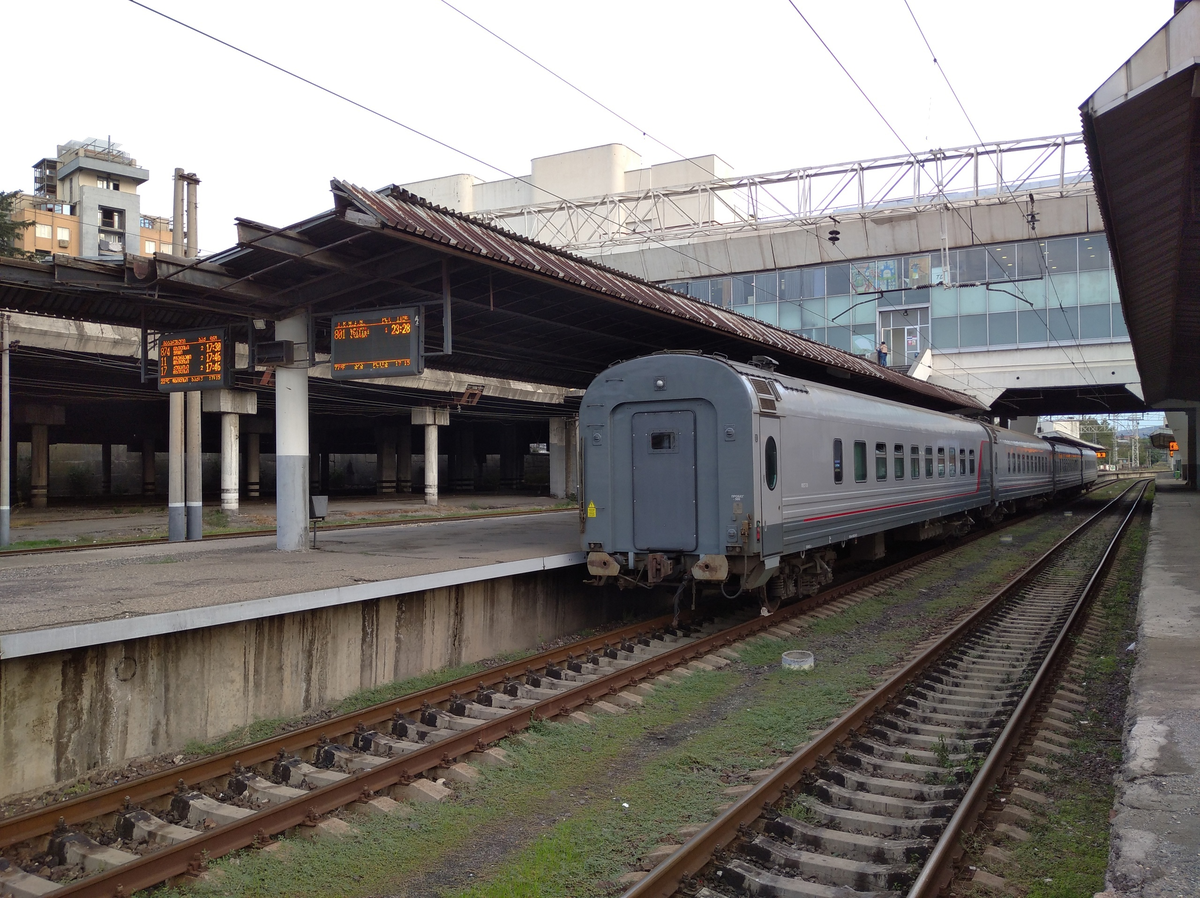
{"x":1155,"y":833}
{"x":38,"y":642}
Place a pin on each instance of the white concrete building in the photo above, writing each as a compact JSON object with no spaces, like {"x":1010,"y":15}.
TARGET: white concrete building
{"x":984,"y":268}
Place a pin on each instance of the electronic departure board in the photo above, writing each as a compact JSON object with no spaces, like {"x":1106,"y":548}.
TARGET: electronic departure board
{"x":379,"y":343}
{"x":194,"y":360}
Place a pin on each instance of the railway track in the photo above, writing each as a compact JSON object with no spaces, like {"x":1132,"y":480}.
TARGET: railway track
{"x":878,"y":804}
{"x":141,"y":833}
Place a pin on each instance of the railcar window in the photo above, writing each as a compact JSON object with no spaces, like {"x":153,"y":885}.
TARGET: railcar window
{"x":898,"y":461}
{"x":962,"y":462}
{"x":881,"y":461}
{"x":953,"y":464}
{"x":914,"y":462}
{"x":771,"y":466}
{"x":928,"y":461}
{"x":860,"y":461}
{"x":941,"y":461}
{"x":837,"y":461}
{"x":663,"y":441}
{"x":971,"y":460}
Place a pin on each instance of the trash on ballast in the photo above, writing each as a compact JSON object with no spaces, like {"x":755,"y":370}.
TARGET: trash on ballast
{"x":797,"y":660}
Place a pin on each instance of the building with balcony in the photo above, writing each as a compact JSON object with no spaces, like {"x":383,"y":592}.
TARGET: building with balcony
{"x":85,"y":203}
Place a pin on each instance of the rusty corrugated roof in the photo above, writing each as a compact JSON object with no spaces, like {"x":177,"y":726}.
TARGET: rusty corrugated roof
{"x":416,"y":217}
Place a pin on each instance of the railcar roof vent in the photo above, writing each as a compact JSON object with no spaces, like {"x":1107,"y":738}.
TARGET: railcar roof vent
{"x":763,"y":388}
{"x":767,"y":405}
{"x":764,"y":361}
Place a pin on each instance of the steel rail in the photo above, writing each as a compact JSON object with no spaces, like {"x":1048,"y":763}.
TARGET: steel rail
{"x":677,"y":869}
{"x":176,"y":859}
{"x":940,"y":866}
{"x":112,"y":799}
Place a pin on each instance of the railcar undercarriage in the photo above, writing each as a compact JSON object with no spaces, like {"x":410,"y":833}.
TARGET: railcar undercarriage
{"x":772,"y":580}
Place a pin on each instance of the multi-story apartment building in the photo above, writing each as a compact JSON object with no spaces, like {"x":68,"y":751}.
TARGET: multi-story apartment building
{"x":85,"y":203}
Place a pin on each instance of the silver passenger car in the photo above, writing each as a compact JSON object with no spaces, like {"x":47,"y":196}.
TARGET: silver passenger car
{"x":698,"y":467}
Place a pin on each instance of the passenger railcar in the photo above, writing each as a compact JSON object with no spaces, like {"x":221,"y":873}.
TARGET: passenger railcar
{"x":698,"y":467}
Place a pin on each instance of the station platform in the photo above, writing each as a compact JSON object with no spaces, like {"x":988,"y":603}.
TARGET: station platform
{"x":126,"y":518}
{"x":1156,"y":829}
{"x":99,"y":595}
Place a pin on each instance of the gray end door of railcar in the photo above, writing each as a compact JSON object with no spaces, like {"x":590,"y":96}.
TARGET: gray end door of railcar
{"x":664,"y":481}
{"x":770,"y":500}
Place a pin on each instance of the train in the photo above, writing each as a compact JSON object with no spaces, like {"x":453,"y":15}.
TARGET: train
{"x":695,"y":468}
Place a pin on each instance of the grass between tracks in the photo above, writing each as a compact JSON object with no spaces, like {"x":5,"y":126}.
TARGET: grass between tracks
{"x":583,"y":804}
{"x":1067,"y":855}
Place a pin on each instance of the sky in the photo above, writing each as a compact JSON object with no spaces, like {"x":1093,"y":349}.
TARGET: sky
{"x":747,"y":81}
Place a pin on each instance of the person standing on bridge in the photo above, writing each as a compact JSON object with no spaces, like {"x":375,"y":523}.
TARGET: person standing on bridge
{"x":882,"y":353}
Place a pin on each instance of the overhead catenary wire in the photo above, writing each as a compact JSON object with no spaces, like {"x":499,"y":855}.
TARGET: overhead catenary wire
{"x":941,"y":189}
{"x":283,"y":70}
{"x":1030,"y":219}
{"x":409,"y":128}
{"x":579,"y":90}
{"x":670,"y":149}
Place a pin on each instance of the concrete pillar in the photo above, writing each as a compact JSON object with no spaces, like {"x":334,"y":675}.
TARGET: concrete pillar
{"x":1024,"y":424}
{"x":512,"y":457}
{"x":431,"y":464}
{"x":193,"y":232}
{"x":177,"y":216}
{"x":385,"y":459}
{"x":557,"y":444}
{"x":148,"y":472}
{"x":462,"y":471}
{"x":106,"y":469}
{"x":252,"y":465}
{"x":572,"y":457}
{"x":176,"y":511}
{"x":404,"y":457}
{"x":1191,"y":471}
{"x":194,"y":491}
{"x":39,"y":474}
{"x":230,"y":404}
{"x":291,"y":441}
{"x":6,"y":440}
{"x":230,"y":456}
{"x":431,"y":418}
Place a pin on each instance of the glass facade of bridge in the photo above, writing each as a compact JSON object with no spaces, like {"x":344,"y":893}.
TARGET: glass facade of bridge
{"x":1024,"y":294}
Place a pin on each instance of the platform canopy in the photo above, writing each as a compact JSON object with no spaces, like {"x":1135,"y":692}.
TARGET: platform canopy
{"x":1142,"y":132}
{"x":518,"y":309}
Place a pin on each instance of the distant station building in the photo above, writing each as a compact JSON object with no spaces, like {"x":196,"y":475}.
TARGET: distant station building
{"x":85,"y":203}
{"x":984,"y":268}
